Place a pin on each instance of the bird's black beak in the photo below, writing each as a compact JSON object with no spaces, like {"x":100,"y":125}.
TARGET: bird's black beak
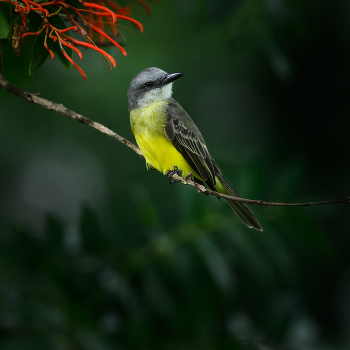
{"x":169,"y":78}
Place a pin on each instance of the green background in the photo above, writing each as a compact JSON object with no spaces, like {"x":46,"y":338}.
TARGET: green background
{"x":98,"y":253}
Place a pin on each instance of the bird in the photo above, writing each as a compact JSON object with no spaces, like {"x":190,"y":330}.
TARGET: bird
{"x":170,"y":140}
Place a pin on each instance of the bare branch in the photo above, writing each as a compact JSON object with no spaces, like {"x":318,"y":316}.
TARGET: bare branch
{"x":59,"y":108}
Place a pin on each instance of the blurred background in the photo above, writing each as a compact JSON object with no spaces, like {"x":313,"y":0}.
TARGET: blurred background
{"x":96,"y":253}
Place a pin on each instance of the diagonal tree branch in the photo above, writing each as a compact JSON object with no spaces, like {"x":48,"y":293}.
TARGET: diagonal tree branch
{"x":59,"y":108}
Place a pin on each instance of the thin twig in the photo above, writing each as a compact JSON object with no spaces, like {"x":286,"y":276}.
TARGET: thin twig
{"x":203,"y":189}
{"x":59,"y":108}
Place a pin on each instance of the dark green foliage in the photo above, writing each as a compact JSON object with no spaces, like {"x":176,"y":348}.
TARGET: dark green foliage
{"x":181,"y":289}
{"x":5,"y":21}
{"x":40,"y":53}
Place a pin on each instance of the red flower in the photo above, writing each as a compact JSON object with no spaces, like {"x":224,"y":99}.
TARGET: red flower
{"x":93,"y":15}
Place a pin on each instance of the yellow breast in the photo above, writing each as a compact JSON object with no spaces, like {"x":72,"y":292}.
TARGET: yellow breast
{"x":147,"y":125}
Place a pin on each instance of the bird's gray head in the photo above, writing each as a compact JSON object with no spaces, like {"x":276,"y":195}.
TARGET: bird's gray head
{"x":149,"y":86}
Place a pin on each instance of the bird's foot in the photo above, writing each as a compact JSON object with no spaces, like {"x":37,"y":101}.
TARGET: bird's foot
{"x":170,"y":173}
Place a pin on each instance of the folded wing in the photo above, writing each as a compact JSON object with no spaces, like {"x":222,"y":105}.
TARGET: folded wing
{"x":187,"y":139}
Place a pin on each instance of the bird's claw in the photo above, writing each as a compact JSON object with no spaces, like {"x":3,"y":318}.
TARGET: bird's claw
{"x":170,"y":173}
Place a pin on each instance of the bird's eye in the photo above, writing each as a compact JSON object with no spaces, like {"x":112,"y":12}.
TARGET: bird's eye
{"x":149,"y":84}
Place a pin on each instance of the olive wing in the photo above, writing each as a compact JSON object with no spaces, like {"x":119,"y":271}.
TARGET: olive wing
{"x":187,"y":139}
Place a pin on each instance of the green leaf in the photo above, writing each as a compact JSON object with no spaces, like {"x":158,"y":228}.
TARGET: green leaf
{"x":77,"y":4}
{"x":5,"y":20}
{"x":58,"y":22}
{"x":35,"y":20}
{"x":40,"y":53}
{"x":57,"y":50}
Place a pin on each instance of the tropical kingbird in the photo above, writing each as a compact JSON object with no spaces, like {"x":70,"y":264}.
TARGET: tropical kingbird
{"x":169,"y":139}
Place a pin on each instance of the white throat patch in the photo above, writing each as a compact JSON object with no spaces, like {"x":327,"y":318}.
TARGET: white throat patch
{"x":156,"y":95}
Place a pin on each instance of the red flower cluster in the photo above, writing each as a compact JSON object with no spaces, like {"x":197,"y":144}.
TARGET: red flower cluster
{"x":91,"y":15}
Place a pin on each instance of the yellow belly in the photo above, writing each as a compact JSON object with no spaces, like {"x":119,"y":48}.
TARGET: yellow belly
{"x":147,"y":125}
